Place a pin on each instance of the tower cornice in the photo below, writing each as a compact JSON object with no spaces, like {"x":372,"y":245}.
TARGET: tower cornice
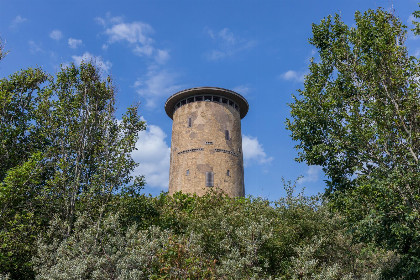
{"x":173,"y":100}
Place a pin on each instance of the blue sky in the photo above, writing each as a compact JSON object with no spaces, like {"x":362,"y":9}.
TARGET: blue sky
{"x":154,"y":48}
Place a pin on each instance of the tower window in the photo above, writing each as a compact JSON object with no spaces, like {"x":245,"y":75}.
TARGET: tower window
{"x":216,"y":98}
{"x":198,"y":98}
{"x":224,"y":100}
{"x":191,"y":99}
{"x":209,"y":179}
{"x":189,"y":122}
{"x":209,"y":143}
{"x":207,"y":98}
{"x":187,"y":173}
{"x":227,"y":134}
{"x":228,"y":173}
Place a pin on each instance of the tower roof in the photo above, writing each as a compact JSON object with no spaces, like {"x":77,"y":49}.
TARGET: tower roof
{"x":180,"y":95}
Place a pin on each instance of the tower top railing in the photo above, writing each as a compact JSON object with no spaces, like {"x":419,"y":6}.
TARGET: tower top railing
{"x":210,"y":94}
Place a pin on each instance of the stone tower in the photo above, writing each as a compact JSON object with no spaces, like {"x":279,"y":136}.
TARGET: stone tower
{"x":206,"y":147}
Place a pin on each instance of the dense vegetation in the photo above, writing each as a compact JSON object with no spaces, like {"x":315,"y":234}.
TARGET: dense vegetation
{"x":69,"y":208}
{"x":358,"y":117}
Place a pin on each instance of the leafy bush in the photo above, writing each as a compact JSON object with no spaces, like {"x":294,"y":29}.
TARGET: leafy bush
{"x":209,"y":237}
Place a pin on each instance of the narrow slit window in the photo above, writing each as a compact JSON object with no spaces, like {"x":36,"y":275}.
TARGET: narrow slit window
{"x":228,"y":173}
{"x":209,"y":179}
{"x":189,"y":122}
{"x":187,"y":173}
{"x":227,"y":134}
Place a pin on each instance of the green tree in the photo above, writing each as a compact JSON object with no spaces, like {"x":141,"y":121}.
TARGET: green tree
{"x":2,"y":52}
{"x":19,"y":176}
{"x":89,"y":150}
{"x":66,"y":153}
{"x":358,"y":117}
{"x":18,"y":132}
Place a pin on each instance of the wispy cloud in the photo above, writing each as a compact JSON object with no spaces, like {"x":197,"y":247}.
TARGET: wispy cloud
{"x":74,"y":43}
{"x":56,"y":34}
{"x":34,"y":47}
{"x":253,"y":151}
{"x":226,"y":44}
{"x":293,"y":76}
{"x":104,"y":65}
{"x":155,"y":85}
{"x":242,"y":89}
{"x":312,"y":174}
{"x":153,"y":155}
{"x":17,"y":20}
{"x":137,"y":34}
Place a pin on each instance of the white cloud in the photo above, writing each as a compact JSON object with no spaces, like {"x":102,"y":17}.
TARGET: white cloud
{"x":311,"y":175}
{"x":74,"y":43}
{"x":97,"y":60}
{"x":155,"y":85}
{"x":241,"y":89}
{"x":145,"y":50}
{"x":34,"y":47}
{"x":153,"y":154}
{"x":253,"y":151}
{"x":17,"y":20}
{"x":56,"y":34}
{"x":137,"y":34}
{"x":293,"y":76}
{"x":100,"y":21}
{"x":227,"y":44}
{"x":162,"y":56}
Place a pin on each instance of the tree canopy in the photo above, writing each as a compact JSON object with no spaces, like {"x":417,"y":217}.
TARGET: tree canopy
{"x":358,"y":117}
{"x":62,"y":150}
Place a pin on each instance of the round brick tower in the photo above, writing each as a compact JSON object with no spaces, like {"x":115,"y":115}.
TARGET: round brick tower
{"x":206,"y":147}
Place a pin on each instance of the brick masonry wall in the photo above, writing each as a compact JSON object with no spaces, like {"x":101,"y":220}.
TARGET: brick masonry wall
{"x":203,"y":148}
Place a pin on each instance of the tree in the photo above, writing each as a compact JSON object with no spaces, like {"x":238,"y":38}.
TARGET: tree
{"x":63,"y":152}
{"x":2,"y":52}
{"x":89,"y":150}
{"x":19,"y":175}
{"x":358,"y":117}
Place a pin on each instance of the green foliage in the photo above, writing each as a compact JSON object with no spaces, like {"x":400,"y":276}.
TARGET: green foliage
{"x":18,"y":133}
{"x":61,"y":151}
{"x":89,"y":152}
{"x":2,"y":52}
{"x":210,"y":237}
{"x":108,"y":252}
{"x":358,"y":117}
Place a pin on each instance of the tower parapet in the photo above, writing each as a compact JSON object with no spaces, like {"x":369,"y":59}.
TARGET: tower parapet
{"x":206,"y":147}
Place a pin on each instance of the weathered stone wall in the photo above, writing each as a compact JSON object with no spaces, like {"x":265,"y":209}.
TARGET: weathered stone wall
{"x":203,"y":148}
